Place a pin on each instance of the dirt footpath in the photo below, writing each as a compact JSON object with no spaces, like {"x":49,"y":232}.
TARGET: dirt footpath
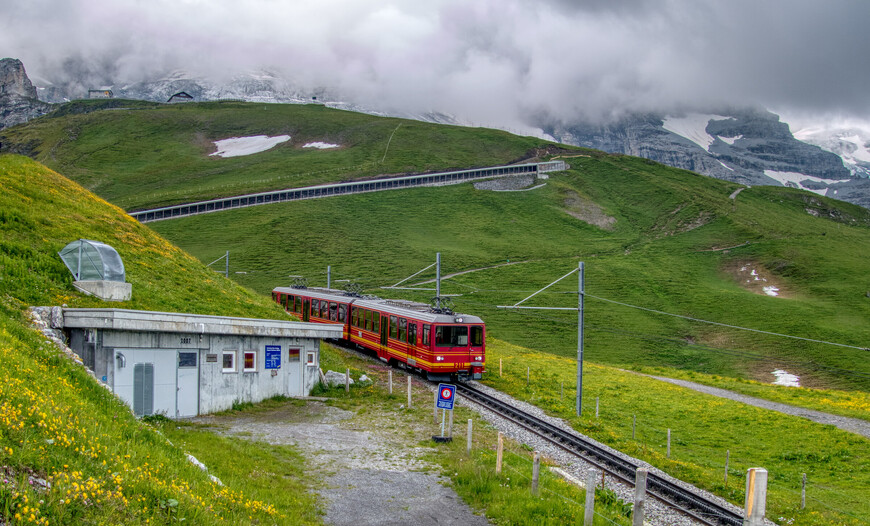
{"x":370,"y":466}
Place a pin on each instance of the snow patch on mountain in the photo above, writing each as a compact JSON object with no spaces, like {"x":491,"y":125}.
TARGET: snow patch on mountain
{"x":238,"y":146}
{"x":796,"y":180}
{"x":851,"y":143}
{"x":730,"y":140}
{"x":693,"y":127}
{"x":320,"y":145}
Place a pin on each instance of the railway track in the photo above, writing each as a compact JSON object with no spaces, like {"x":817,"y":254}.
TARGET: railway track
{"x":696,"y":506}
{"x":690,"y":503}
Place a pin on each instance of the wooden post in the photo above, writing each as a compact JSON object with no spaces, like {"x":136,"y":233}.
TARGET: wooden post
{"x":468,"y":446}
{"x":347,"y":380}
{"x":633,"y":425}
{"x":498,"y":453}
{"x":669,"y":442}
{"x":536,"y":470}
{"x":499,"y":367}
{"x":435,"y":408}
{"x":596,"y":407}
{"x":639,"y":497}
{"x":804,"y":491}
{"x":561,"y":391}
{"x":527,"y":376}
{"x":409,"y":391}
{"x":390,"y":376}
{"x":756,"y":497}
{"x":589,"y":511}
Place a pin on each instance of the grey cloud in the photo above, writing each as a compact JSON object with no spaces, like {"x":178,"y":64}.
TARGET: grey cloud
{"x":491,"y":61}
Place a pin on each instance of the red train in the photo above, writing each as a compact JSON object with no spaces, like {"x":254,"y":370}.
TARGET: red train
{"x":443,"y":346}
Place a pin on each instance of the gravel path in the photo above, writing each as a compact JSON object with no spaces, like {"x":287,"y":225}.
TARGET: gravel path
{"x":853,"y":425}
{"x":372,"y":469}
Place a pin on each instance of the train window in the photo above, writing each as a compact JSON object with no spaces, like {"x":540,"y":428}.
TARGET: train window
{"x":412,"y":333}
{"x":342,"y":312}
{"x":315,"y":308}
{"x":451,"y":336}
{"x":324,"y":309}
{"x":477,"y":335}
{"x":298,"y":304}
{"x":403,"y":329}
{"x":333,"y":311}
{"x":289,"y":301}
{"x":426,"y":329}
{"x":376,"y":321}
{"x":275,"y":297}
{"x":368,"y":319}
{"x":394,"y":327}
{"x":354,"y":312}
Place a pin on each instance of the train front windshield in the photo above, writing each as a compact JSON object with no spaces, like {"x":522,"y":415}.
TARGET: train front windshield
{"x":451,"y":336}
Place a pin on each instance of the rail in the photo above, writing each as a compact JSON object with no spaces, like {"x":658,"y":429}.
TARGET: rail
{"x":697,"y":506}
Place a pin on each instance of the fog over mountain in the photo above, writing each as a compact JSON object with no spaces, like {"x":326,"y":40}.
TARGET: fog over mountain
{"x":492,"y":61}
{"x":686,"y":82}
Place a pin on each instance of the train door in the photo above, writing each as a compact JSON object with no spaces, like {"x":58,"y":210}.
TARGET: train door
{"x":306,"y":310}
{"x":384,"y":329}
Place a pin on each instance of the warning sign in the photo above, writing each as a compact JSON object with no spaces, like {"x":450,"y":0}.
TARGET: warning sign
{"x":446,"y":396}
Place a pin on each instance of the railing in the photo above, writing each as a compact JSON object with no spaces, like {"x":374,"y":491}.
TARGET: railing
{"x":356,"y":187}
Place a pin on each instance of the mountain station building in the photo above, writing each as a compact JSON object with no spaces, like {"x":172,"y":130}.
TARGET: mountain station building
{"x":183,"y":365}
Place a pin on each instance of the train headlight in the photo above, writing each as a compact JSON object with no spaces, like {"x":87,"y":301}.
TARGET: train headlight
{"x":457,"y":320}
{"x":439,"y":358}
{"x":478,"y":358}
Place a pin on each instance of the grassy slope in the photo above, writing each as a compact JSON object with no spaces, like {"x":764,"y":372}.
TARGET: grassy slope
{"x":647,"y":260}
{"x":56,"y":423}
{"x":152,"y":155}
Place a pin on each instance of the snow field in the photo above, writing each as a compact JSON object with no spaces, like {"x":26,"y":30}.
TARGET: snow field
{"x":238,"y":146}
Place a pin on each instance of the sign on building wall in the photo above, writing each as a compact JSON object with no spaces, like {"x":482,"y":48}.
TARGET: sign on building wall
{"x":273,"y":357}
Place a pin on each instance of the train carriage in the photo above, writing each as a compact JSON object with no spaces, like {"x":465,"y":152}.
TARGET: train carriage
{"x":444,"y":346}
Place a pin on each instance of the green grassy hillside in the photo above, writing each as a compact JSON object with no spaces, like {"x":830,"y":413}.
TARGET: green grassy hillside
{"x":651,"y":236}
{"x":71,"y":453}
{"x":668,"y":250}
{"x":140,"y":155}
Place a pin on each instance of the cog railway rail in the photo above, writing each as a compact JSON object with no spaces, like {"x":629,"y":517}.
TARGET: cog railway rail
{"x":692,"y":504}
{"x":696,"y":506}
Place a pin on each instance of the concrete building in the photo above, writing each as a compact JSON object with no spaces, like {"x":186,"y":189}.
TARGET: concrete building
{"x":183,"y":365}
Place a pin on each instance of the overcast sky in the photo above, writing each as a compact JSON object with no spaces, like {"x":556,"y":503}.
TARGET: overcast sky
{"x":489,"y":61}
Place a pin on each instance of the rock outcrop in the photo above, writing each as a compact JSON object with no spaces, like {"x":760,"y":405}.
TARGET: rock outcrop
{"x":18,"y":100}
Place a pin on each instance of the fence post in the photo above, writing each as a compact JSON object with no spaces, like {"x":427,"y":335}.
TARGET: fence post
{"x":756,"y":497}
{"x":669,"y":442}
{"x":409,"y":391}
{"x":498,"y":453}
{"x":468,"y":446}
{"x":347,"y":380}
{"x":633,"y":425}
{"x":561,"y":390}
{"x":499,"y":367}
{"x":639,"y":497}
{"x":596,"y":407}
{"x":536,"y":470}
{"x":435,"y":408}
{"x":527,"y":375}
{"x":589,"y":512}
{"x":390,"y":376}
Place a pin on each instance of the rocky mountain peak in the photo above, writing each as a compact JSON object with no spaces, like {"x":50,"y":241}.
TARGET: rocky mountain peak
{"x":13,"y":79}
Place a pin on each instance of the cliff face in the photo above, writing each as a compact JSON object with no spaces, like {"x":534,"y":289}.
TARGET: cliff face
{"x":18,"y":102}
{"x":747,"y":146}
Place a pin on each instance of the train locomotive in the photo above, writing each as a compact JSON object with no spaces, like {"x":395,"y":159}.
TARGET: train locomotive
{"x":442,"y":345}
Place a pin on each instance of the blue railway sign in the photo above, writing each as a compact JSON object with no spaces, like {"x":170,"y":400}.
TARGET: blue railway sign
{"x":446,"y":396}
{"x":273,"y":357}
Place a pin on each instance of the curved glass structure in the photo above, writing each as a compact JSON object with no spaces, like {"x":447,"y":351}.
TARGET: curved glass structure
{"x":93,"y":261}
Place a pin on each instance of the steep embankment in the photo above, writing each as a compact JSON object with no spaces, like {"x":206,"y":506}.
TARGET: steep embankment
{"x":71,"y":453}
